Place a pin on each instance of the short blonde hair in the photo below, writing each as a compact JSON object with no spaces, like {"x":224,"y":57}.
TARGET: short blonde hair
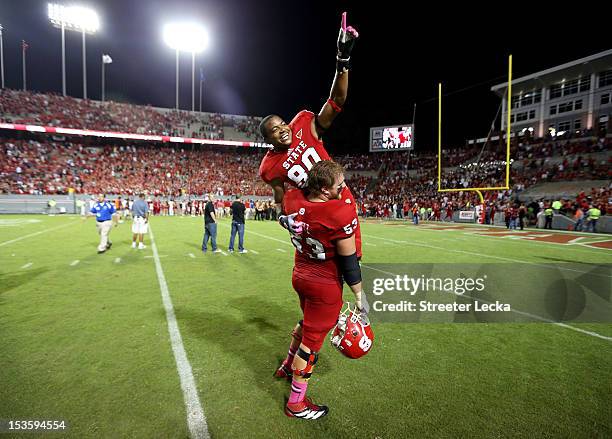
{"x":323,"y":174}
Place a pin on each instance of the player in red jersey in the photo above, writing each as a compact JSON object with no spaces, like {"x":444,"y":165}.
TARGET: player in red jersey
{"x":449,"y":212}
{"x":299,"y":145}
{"x":437,"y":212}
{"x":325,"y":257}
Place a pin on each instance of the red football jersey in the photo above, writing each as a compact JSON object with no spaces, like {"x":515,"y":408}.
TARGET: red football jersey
{"x":324,"y":223}
{"x":292,"y":165}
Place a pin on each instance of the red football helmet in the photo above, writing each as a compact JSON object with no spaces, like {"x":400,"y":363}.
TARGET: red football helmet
{"x":353,"y":335}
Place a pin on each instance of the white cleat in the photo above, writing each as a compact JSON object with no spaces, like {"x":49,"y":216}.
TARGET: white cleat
{"x":306,"y":409}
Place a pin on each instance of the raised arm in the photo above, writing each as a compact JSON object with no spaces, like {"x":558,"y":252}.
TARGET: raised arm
{"x":337,"y":96}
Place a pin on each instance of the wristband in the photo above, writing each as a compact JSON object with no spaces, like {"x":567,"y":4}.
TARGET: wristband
{"x":337,"y":108}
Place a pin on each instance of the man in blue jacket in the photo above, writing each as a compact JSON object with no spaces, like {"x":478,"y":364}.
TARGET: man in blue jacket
{"x":104,"y":211}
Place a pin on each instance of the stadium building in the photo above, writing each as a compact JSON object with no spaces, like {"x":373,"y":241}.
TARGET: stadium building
{"x":573,"y":96}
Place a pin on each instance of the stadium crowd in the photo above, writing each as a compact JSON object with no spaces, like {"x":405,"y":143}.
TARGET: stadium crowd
{"x":42,"y":167}
{"x":385,"y":184}
{"x":26,"y":107}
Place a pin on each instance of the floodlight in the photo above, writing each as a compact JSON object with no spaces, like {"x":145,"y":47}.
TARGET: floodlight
{"x":76,"y":18}
{"x":186,"y":37}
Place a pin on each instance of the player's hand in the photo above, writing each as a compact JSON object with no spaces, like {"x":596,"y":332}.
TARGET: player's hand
{"x":361,"y":301}
{"x":346,"y":41}
{"x":289,"y":223}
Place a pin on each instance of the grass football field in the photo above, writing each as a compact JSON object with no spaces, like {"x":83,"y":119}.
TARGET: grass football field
{"x":84,"y":338}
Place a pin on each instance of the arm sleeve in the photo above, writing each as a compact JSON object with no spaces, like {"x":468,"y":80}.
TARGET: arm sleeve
{"x":351,"y":271}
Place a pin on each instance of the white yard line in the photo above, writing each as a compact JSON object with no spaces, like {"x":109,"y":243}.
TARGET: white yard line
{"x":254,"y":252}
{"x":28,"y":265}
{"x":34,"y":234}
{"x":117,"y":260}
{"x":196,"y":420}
{"x":281,"y":250}
{"x":191,"y":255}
{"x":596,"y":249}
{"x":74,"y":263}
{"x":542,"y":319}
{"x":271,"y":238}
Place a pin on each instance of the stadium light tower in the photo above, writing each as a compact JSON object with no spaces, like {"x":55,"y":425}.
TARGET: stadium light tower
{"x":186,"y":37}
{"x":75,"y":18}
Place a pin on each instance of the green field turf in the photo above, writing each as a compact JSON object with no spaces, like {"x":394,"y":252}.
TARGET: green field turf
{"x":88,"y":341}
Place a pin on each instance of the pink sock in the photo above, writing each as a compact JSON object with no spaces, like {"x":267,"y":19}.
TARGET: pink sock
{"x":298,"y":391}
{"x":290,"y":356}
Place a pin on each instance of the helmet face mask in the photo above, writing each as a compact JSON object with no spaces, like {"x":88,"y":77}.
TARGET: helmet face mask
{"x":353,"y":335}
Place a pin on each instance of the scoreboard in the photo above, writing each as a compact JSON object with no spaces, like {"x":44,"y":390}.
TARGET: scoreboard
{"x":392,"y":138}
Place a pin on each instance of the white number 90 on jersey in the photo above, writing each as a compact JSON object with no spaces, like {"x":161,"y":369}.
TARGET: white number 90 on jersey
{"x":297,"y":173}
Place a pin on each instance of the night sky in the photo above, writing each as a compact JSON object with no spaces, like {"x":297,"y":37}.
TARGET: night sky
{"x":279,"y":57}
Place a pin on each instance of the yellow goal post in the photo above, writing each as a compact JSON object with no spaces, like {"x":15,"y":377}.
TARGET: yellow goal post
{"x":508,"y":126}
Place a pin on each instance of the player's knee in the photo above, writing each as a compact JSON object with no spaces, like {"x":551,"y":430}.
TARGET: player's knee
{"x":303,"y":362}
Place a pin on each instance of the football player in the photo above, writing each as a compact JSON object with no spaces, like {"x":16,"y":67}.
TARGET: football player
{"x":298,"y":145}
{"x":325,"y":255}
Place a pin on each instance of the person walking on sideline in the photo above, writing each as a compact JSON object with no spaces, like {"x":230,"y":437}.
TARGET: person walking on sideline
{"x":105,"y":219}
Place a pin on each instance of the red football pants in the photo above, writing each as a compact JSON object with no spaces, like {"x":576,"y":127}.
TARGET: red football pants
{"x":321,"y":304}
